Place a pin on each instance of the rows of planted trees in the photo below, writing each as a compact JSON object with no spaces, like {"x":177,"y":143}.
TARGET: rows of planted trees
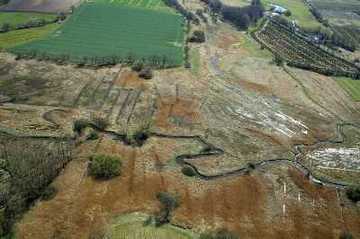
{"x":297,"y":51}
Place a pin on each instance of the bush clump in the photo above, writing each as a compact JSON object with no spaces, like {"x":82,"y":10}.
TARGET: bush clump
{"x":146,"y":73}
{"x":5,"y":27}
{"x":3,"y":2}
{"x":278,"y":60}
{"x":137,"y":138}
{"x":148,"y":221}
{"x":49,"y":193}
{"x":79,"y":125}
{"x":104,"y":166}
{"x":140,"y":137}
{"x":167,"y":200}
{"x":188,"y":171}
{"x":220,"y":234}
{"x":251,"y":166}
{"x":137,"y":66}
{"x":187,"y":65}
{"x":93,"y":135}
{"x":100,"y":122}
{"x":198,"y":37}
{"x":168,"y":204}
{"x":288,"y":13}
{"x":346,"y":235}
{"x":353,"y":194}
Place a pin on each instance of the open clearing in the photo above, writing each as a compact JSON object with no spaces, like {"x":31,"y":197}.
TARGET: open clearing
{"x":300,"y":12}
{"x":132,"y":226}
{"x":150,"y":4}
{"x":14,"y":18}
{"x":106,"y":30}
{"x":14,"y":38}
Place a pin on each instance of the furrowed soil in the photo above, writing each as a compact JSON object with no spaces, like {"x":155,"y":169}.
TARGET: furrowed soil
{"x":40,"y":6}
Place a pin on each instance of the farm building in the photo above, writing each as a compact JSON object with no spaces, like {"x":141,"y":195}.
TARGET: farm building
{"x":278,"y":9}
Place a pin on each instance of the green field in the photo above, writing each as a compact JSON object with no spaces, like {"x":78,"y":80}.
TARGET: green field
{"x":195,"y":60}
{"x":15,"y":18}
{"x":107,"y":30}
{"x":3,"y":2}
{"x":18,"y":37}
{"x":149,"y":4}
{"x":131,"y":226}
{"x":352,"y":87}
{"x":300,"y":12}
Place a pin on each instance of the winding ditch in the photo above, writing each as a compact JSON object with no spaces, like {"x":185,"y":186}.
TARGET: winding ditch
{"x":211,"y":150}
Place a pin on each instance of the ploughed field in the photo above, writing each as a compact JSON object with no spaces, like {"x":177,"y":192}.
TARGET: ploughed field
{"x":299,"y":52}
{"x":52,"y":6}
{"x":118,"y":32}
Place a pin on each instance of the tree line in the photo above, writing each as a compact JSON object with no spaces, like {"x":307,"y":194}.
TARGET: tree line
{"x":3,"y":2}
{"x":335,"y":35}
{"x":154,"y":61}
{"x":241,"y":17}
{"x":187,"y":14}
{"x":5,"y":27}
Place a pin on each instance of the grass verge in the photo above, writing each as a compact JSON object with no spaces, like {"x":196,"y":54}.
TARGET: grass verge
{"x":131,"y":226}
{"x":18,"y":37}
{"x":15,"y":18}
{"x":352,"y":87}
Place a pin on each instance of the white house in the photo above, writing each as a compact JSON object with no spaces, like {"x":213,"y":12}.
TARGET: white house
{"x":278,"y":9}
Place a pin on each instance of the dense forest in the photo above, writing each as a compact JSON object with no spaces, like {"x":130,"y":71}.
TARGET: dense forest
{"x":27,"y":167}
{"x":241,"y":17}
{"x":2,"y":2}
